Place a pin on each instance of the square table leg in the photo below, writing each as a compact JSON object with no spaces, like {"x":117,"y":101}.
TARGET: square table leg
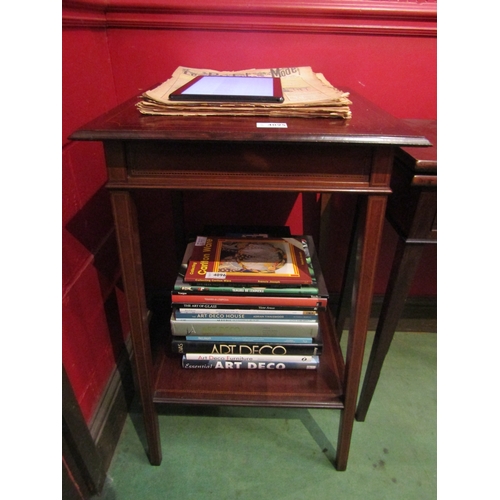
{"x":369,"y":233}
{"x":127,"y":234}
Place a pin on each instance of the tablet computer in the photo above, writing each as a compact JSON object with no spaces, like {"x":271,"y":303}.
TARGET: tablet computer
{"x":230,"y":89}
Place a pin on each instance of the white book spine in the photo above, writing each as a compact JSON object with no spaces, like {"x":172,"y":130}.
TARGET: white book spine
{"x":244,"y":328}
{"x":250,"y":357}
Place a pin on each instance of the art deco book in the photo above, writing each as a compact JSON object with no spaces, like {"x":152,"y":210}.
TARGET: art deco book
{"x":280,"y":364}
{"x":182,"y":346}
{"x":259,"y":261}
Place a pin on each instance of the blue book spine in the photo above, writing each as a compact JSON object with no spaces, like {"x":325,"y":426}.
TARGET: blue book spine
{"x":267,"y":340}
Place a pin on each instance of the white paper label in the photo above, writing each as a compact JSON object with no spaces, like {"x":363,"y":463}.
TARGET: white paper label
{"x":200,"y":241}
{"x":271,"y":125}
{"x":216,"y":276}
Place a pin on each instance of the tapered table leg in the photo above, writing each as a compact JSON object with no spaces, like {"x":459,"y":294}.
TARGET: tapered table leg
{"x":345,"y":299}
{"x":131,"y":263}
{"x":369,"y":235}
{"x":403,"y":270}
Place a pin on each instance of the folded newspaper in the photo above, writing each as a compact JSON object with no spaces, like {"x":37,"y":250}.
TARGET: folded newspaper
{"x":306,"y":94}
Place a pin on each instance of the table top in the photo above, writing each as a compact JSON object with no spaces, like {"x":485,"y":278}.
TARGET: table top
{"x":422,"y":160}
{"x":369,"y":125}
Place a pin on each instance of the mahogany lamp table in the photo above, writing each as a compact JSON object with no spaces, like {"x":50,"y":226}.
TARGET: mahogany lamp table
{"x":237,"y":154}
{"x":412,"y":212}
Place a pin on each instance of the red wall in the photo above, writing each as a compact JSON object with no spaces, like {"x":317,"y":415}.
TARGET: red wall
{"x":115,"y":49}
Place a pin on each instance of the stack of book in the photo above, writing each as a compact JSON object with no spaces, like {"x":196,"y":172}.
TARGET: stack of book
{"x":248,"y":303}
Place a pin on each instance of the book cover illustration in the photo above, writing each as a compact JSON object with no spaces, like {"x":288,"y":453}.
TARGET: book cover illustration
{"x":260,"y":261}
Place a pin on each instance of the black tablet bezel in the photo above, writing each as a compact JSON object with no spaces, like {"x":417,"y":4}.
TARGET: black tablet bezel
{"x":182,"y":94}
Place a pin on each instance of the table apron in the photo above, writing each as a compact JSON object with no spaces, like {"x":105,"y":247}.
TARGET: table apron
{"x":248,"y":183}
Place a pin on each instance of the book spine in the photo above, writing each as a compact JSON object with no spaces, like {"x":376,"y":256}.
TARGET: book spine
{"x":250,"y":365}
{"x":258,"y":311}
{"x":249,"y":300}
{"x":257,"y":358}
{"x":182,"y":346}
{"x":205,"y":308}
{"x":238,"y":314}
{"x":243,"y":338}
{"x":247,"y":328}
{"x":251,"y":282}
{"x":246,"y":290}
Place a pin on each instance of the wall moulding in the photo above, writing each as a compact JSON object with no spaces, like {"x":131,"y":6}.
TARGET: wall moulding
{"x":83,"y":18}
{"x":414,"y":18}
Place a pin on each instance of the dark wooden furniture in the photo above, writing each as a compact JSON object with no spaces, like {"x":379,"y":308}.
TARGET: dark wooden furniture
{"x":412,"y":211}
{"x":83,"y":469}
{"x":310,"y":155}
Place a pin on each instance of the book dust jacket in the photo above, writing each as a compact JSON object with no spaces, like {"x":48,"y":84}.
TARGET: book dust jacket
{"x":264,"y":261}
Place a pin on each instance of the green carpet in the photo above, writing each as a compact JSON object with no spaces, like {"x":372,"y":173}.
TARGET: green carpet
{"x":286,"y":454}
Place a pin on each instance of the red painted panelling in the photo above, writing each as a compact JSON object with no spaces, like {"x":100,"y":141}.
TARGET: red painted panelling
{"x":414,"y":17}
{"x":87,"y":348}
{"x":399,"y":75}
{"x":88,"y":88}
{"x":87,"y":217}
{"x":92,"y":312}
{"x":89,"y":170}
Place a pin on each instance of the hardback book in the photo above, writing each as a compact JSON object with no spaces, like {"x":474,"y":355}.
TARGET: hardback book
{"x":181,"y":285}
{"x":196,"y":356}
{"x":262,"y":328}
{"x":251,"y":365}
{"x":210,"y":295}
{"x":206,"y":308}
{"x":189,"y":299}
{"x":251,"y":339}
{"x":187,"y":313}
{"x":244,"y":289}
{"x":256,"y":261}
{"x":181,"y":345}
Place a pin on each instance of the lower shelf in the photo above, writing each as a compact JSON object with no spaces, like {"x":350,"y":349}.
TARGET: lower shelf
{"x":321,"y":388}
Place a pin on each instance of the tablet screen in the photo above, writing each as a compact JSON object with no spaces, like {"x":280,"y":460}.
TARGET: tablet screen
{"x":230,"y":88}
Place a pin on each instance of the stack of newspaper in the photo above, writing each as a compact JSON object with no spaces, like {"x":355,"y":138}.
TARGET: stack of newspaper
{"x":306,"y":94}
